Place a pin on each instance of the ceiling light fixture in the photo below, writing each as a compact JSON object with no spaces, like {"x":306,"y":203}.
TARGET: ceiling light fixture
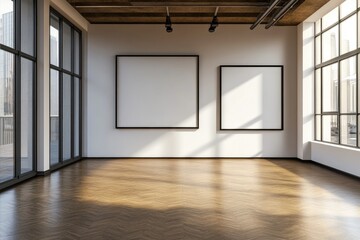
{"x":281,"y":13}
{"x":168,"y":21}
{"x":264,"y":15}
{"x":214,"y":23}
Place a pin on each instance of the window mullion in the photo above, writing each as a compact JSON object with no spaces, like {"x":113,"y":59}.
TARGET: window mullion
{"x":61,"y":77}
{"x":72,"y":100}
{"x":339,"y":80}
{"x":17,"y":90}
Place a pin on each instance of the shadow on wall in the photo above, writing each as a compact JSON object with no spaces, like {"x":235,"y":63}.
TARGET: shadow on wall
{"x":148,"y":138}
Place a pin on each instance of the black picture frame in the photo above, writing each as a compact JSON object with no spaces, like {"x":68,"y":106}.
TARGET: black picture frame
{"x":251,"y":129}
{"x":163,"y":127}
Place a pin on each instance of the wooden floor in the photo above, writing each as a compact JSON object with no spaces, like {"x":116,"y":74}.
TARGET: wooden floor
{"x":184,"y":199}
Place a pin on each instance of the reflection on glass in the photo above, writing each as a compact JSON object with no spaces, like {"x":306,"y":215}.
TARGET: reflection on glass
{"x":27,"y":71}
{"x":7,"y":23}
{"x":348,"y":35}
{"x":27,"y":26}
{"x":66,"y":117}
{"x":330,"y":88}
{"x":76,"y":52}
{"x":330,"y":44}
{"x":330,"y":128}
{"x":318,"y":91}
{"x":347,"y":7}
{"x":318,"y":50}
{"x":6,"y":116}
{"x":54,"y":117}
{"x":76,"y":117}
{"x":348,"y":129}
{"x":66,"y":47}
{"x":54,"y":40}
{"x":358,"y":85}
{"x":318,"y":128}
{"x":330,"y":18}
{"x":348,"y":85}
{"x":358,"y":30}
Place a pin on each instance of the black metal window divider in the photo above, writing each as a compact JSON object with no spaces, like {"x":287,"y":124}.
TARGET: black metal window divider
{"x":72,"y":74}
{"x":336,"y":60}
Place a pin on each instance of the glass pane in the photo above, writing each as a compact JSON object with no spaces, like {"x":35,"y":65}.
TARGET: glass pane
{"x":77,"y":45}
{"x":348,"y":35}
{"x":318,"y":50}
{"x":54,"y":117}
{"x":330,"y":128}
{"x":330,"y":88}
{"x":358,"y":30}
{"x":318,"y":91}
{"x":66,"y":116}
{"x":76,"y":117}
{"x":358,"y":131}
{"x":27,"y":26}
{"x":358,"y":85}
{"x":318,"y":128}
{"x":66,"y":47}
{"x":330,"y":18}
{"x":318,"y":26}
{"x":347,"y":7}
{"x":7,"y":23}
{"x":54,"y":40}
{"x":27,"y":81}
{"x":348,"y":129}
{"x":330,"y":44}
{"x":348,"y":85}
{"x":6,"y":116}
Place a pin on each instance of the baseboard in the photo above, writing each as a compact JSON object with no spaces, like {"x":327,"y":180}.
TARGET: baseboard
{"x":120,"y":158}
{"x":43,"y":173}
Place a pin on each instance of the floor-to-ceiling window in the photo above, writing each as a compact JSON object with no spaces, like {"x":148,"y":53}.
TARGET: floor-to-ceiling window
{"x":17,"y":90}
{"x":65,"y":91}
{"x":337,"y":61}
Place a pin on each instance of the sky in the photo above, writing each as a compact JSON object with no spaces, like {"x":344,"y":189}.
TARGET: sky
{"x":6,"y":6}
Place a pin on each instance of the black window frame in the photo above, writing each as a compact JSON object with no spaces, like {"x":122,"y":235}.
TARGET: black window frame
{"x":18,"y":56}
{"x":336,"y":60}
{"x":73,"y":75}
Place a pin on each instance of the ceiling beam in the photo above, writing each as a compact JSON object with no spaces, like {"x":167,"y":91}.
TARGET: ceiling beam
{"x":142,"y":3}
{"x":233,"y":11}
{"x":173,"y":15}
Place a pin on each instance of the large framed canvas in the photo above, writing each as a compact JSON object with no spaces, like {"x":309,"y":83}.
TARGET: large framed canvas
{"x":157,"y":92}
{"x":251,"y":97}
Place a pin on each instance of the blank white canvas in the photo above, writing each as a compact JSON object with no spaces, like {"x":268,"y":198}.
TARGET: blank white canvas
{"x":157,"y":91}
{"x":251,"y":97}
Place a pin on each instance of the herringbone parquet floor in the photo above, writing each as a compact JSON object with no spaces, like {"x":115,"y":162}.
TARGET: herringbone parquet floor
{"x":184,"y":199}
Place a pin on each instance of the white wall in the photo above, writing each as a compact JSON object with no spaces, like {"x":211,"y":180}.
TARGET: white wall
{"x":43,"y":68}
{"x":230,"y":44}
{"x":305,"y":87}
{"x":339,"y":157}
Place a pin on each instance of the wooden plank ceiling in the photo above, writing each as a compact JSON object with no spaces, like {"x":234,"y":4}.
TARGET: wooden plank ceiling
{"x":190,"y":11}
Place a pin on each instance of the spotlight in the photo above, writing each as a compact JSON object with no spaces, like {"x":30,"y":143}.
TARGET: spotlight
{"x":168,"y":21}
{"x":168,"y":24}
{"x":214,"y":23}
